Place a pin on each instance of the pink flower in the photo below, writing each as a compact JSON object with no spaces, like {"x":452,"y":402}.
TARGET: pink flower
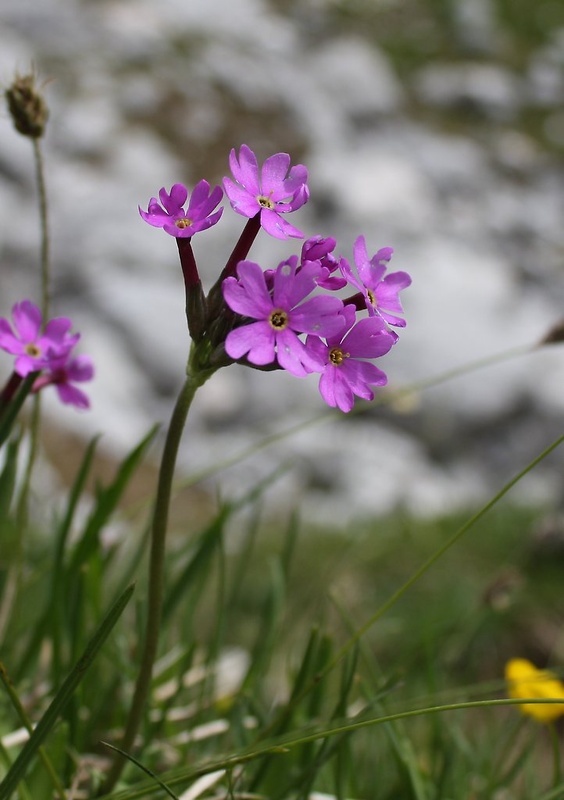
{"x":344,"y":374}
{"x":321,"y":249}
{"x":34,"y":350}
{"x":170,"y":214}
{"x":63,"y":375}
{"x":275,"y":192}
{"x":280,"y":315}
{"x":381,"y":295}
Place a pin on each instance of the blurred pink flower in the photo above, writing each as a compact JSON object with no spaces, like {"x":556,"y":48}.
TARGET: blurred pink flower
{"x":63,"y":375}
{"x":33,"y":349}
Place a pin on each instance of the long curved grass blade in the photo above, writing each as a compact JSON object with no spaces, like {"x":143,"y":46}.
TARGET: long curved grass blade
{"x":49,"y":718}
{"x":142,"y":767}
{"x":311,"y":733}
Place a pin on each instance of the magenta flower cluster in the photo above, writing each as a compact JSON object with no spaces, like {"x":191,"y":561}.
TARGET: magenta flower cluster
{"x":46,"y":351}
{"x":288,"y":317}
{"x":337,"y":344}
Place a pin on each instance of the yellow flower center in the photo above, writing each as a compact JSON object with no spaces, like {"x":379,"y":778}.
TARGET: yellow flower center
{"x":183,"y":223}
{"x":32,"y":350}
{"x":372,"y":298}
{"x":265,"y":202}
{"x":336,"y":356}
{"x":278,"y":319}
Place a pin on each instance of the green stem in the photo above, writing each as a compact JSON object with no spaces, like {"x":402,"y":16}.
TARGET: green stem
{"x":45,"y":292}
{"x":32,"y":455}
{"x":557,"y":777}
{"x":156,"y":575}
{"x":43,"y":221}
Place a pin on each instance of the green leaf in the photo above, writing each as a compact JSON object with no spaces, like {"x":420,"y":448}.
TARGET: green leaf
{"x":9,"y":415}
{"x":8,"y":477}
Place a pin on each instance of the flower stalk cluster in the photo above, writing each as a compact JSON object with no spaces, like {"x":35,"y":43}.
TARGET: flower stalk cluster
{"x":288,"y":317}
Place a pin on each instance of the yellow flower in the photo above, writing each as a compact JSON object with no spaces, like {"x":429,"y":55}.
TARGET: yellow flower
{"x":526,"y":681}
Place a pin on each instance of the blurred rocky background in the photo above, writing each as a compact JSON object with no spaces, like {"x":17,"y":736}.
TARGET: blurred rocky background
{"x":433,"y":126}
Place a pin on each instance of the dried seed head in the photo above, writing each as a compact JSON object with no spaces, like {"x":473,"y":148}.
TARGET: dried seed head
{"x":27,"y":106}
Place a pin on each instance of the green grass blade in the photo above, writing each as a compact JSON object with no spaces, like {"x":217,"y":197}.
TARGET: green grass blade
{"x":107,"y":499}
{"x":9,"y":415}
{"x":8,"y":477}
{"x":53,"y":619}
{"x":199,"y":564}
{"x":143,"y":768}
{"x":74,"y":496}
{"x":48,"y":720}
{"x":24,"y":719}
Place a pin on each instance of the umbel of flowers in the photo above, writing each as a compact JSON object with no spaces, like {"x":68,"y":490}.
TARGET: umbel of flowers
{"x":288,"y":317}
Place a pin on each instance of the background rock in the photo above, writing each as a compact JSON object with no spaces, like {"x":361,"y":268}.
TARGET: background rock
{"x":449,"y":151}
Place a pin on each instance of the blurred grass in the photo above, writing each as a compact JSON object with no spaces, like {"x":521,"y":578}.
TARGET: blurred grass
{"x":496,"y":593}
{"x":257,"y":608}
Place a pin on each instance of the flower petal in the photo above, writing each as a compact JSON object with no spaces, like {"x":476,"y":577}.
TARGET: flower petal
{"x":294,"y":356}
{"x":249,"y":295}
{"x":256,"y":341}
{"x":240,"y":199}
{"x":25,"y":364}
{"x":321,"y":315}
{"x":296,"y":180}
{"x":369,"y":338}
{"x":335,"y":391}
{"x":278,"y":227}
{"x":80,"y":369}
{"x":71,"y":395}
{"x":274,"y":170}
{"x":27,"y":320}
{"x":245,"y":170}
{"x":173,"y":202}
